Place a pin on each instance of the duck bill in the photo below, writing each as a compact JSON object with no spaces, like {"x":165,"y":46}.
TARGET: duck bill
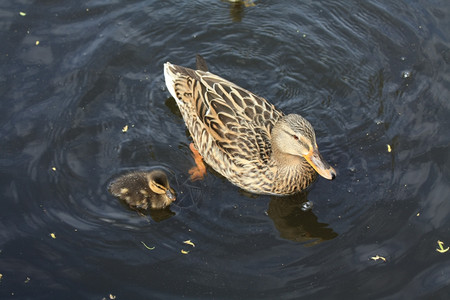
{"x":320,"y":165}
{"x":170,"y":195}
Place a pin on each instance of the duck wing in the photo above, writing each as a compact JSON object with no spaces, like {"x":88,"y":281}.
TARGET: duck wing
{"x":238,"y":121}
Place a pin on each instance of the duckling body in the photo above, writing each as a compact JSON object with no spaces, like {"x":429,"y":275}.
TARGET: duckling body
{"x":143,"y":190}
{"x":244,"y":137}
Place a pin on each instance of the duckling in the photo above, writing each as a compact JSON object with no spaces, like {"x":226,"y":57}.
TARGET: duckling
{"x":143,"y":190}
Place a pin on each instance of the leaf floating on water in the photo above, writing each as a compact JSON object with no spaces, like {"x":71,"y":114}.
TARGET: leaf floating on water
{"x":23,"y":14}
{"x":53,"y":169}
{"x":125,"y":128}
{"x":389,"y":148}
{"x":377,"y":257}
{"x":149,"y":248}
{"x":441,"y":247}
{"x":189,"y":242}
{"x":37,"y":43}
{"x":53,"y":235}
{"x":184,"y":251}
{"x":112,"y":297}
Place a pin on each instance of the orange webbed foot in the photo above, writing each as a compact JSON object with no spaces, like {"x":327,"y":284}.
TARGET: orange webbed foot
{"x":199,"y":171}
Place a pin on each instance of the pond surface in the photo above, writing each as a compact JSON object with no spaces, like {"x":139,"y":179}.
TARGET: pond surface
{"x":371,"y":76}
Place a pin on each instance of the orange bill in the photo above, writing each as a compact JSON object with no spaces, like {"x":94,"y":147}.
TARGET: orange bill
{"x":320,"y":165}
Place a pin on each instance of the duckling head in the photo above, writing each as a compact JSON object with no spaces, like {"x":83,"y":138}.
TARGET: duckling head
{"x":159,"y":184}
{"x":294,"y":136}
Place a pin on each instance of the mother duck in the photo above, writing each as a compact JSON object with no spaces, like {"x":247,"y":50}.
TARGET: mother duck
{"x":244,"y":137}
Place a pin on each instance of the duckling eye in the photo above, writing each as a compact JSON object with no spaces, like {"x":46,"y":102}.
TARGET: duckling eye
{"x":295,"y":137}
{"x":160,"y":186}
{"x":157,"y":188}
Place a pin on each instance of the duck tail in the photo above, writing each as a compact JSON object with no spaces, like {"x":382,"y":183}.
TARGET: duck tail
{"x":170,"y":76}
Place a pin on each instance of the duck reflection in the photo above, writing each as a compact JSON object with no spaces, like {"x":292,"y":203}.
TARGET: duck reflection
{"x":297,"y":224}
{"x":237,"y":8}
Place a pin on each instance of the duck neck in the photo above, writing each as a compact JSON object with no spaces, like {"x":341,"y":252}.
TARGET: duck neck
{"x":292,"y":171}
{"x":293,"y":168}
{"x":283,"y":159}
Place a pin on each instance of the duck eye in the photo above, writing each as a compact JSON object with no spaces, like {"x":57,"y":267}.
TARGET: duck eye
{"x":160,"y":186}
{"x":295,"y":137}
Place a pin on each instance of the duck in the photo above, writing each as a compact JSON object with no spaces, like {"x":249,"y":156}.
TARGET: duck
{"x":143,"y":190}
{"x":242,"y":136}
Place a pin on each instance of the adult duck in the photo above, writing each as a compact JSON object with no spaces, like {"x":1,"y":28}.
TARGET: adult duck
{"x":244,"y":137}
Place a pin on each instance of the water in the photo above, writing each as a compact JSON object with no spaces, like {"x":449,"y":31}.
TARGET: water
{"x":366,"y":74}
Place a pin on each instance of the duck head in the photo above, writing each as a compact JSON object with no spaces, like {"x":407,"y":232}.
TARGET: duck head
{"x":159,"y":184}
{"x":294,"y":135}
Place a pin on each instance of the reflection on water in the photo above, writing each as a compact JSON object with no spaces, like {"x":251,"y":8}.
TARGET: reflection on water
{"x":237,"y":8}
{"x":295,"y":224}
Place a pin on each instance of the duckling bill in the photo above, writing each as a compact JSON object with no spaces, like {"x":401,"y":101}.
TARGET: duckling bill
{"x":143,"y":190}
{"x":244,"y":137}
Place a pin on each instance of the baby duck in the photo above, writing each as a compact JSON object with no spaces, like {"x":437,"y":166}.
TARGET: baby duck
{"x":143,"y":190}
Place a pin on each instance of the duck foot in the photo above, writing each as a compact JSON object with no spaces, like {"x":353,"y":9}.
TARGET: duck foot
{"x":199,"y":171}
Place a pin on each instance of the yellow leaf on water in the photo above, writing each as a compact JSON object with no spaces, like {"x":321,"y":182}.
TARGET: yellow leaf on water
{"x":53,"y":235}
{"x":149,"y":248}
{"x":389,"y":148}
{"x":189,"y":242}
{"x":125,"y":128}
{"x":441,"y":247}
{"x":377,"y":257}
{"x":23,"y":14}
{"x":184,"y":251}
{"x":37,"y":43}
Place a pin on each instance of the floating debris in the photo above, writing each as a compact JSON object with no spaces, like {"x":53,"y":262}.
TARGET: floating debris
{"x":184,"y":251}
{"x":53,"y":235}
{"x":53,"y":169}
{"x":441,"y":247}
{"x":112,"y":297}
{"x":37,"y":43}
{"x":377,"y":257}
{"x":23,"y":14}
{"x":306,"y":206}
{"x":406,"y":74}
{"x":189,"y":242}
{"x":389,"y":148}
{"x":27,"y":280}
{"x":125,"y":128}
{"x":149,"y":248}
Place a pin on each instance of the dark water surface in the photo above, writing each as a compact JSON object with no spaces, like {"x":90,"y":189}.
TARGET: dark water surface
{"x":366,"y":74}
